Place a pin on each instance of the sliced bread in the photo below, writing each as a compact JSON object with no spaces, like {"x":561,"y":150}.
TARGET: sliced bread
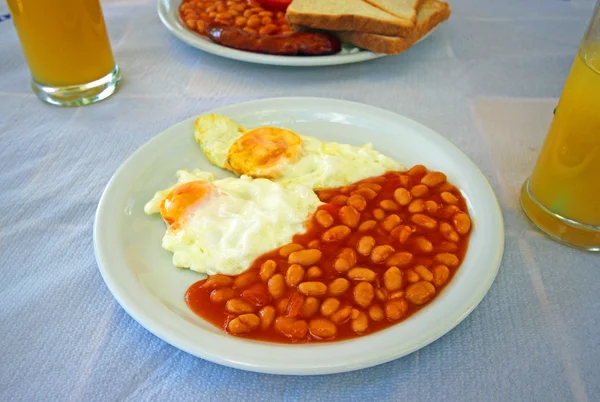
{"x":405,"y":9}
{"x":346,"y":15}
{"x":430,"y":14}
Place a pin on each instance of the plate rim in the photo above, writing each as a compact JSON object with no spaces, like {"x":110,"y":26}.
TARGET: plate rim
{"x":167,"y":15}
{"x":431,"y":334}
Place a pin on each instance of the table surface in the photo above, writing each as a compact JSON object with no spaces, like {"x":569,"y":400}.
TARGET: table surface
{"x":487,"y":80}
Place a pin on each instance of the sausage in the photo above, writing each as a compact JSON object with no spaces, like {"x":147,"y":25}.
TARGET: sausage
{"x":294,"y":44}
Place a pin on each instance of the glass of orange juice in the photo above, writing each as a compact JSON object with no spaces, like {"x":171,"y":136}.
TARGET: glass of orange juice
{"x":66,"y":46}
{"x":562,"y":196}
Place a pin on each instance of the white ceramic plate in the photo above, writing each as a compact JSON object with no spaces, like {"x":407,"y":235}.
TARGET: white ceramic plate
{"x":142,"y":278}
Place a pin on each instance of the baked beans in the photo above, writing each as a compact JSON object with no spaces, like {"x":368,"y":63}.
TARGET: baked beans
{"x":375,"y":253}
{"x":248,"y":15}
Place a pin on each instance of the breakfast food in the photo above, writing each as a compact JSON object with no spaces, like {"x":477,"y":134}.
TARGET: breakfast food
{"x":431,"y":13}
{"x":266,"y":26}
{"x":221,"y":226}
{"x":376,"y":252}
{"x":296,"y":44}
{"x":285,"y":156}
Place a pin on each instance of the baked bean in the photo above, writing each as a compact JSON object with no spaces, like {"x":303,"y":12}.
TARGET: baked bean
{"x":381,"y":294}
{"x":416,"y":206}
{"x":326,"y":195}
{"x":324,"y":218}
{"x":462,"y":223}
{"x":340,"y":199}
{"x":378,"y":214}
{"x":363,"y":294}
{"x":253,"y":22}
{"x":366,"y":193}
{"x":322,"y":328}
{"x":313,"y":288}
{"x":305,"y":257}
{"x":224,"y":15}
{"x":357,"y":201}
{"x":313,"y":272}
{"x":347,"y":189}
{"x":448,"y":232}
{"x":222,"y":295}
{"x":217,"y":281}
{"x":248,"y":13}
{"x":373,"y":186}
{"x":201,"y":26}
{"x":376,"y":313}
{"x":390,"y":222}
{"x":329,"y":306}
{"x":389,"y":205}
{"x":349,"y":216}
{"x":243,"y":324}
{"x":424,"y":221}
{"x":246,"y":279}
{"x":441,"y":273}
{"x":420,"y":292}
{"x":221,"y":8}
{"x":365,"y":245}
{"x":424,"y":272}
{"x":392,"y":279}
{"x":446,"y":247}
{"x":362,"y":274}
{"x":448,"y":259}
{"x":433,"y":179}
{"x":345,"y":260}
{"x":234,"y":12}
{"x":412,"y":276}
{"x":266,"y":13}
{"x":402,"y":196}
{"x":449,"y":198}
{"x":396,"y":309}
{"x":381,"y":253}
{"x":250,"y":30}
{"x":295,"y":303}
{"x":310,"y":307}
{"x":276,"y":286}
{"x":294,"y":275}
{"x":267,"y":316}
{"x":282,"y":305}
{"x":239,"y":306}
{"x":420,"y":190}
{"x":448,"y":211}
{"x":417,"y":170}
{"x":314,"y":243}
{"x":367,"y":225}
{"x":336,"y":233}
{"x":360,"y":323}
{"x":291,"y":327}
{"x":342,"y":315}
{"x":267,"y":269}
{"x":338,"y":286}
{"x":257,"y":294}
{"x":431,"y":207}
{"x":405,"y":232}
{"x":398,"y":294}
{"x":399,"y":259}
{"x":404,"y":180}
{"x":423,"y":245}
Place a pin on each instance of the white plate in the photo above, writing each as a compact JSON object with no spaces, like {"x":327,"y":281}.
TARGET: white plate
{"x":143,"y":280}
{"x":169,"y":15}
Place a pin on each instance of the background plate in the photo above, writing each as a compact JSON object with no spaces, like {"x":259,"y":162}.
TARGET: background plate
{"x":142,"y":278}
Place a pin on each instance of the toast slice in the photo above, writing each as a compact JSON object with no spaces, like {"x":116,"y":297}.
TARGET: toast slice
{"x":346,"y":15}
{"x":430,"y":14}
{"x":405,"y":9}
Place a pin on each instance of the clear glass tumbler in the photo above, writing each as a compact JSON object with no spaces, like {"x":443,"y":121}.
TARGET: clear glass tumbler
{"x":67,"y":49}
{"x":562,"y":196}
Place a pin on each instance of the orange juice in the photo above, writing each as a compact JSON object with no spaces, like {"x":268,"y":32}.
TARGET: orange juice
{"x":566,"y":176}
{"x":65,"y":42}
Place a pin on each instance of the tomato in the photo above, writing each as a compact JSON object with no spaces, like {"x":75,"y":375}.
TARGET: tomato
{"x":275,"y":4}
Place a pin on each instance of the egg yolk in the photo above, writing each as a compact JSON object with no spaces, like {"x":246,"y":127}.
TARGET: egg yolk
{"x":258,"y":152}
{"x":176,"y":204}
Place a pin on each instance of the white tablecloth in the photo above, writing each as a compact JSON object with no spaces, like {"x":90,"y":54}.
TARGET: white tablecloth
{"x":487,"y":80}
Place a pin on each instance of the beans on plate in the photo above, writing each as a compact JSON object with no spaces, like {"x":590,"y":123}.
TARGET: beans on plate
{"x":374,"y":254}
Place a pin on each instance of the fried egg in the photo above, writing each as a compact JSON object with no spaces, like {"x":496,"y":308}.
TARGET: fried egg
{"x":286,"y":157}
{"x":222,"y":226}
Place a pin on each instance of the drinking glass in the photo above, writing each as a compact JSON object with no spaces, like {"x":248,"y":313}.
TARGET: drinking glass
{"x":67,"y":49}
{"x":562,"y":195}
